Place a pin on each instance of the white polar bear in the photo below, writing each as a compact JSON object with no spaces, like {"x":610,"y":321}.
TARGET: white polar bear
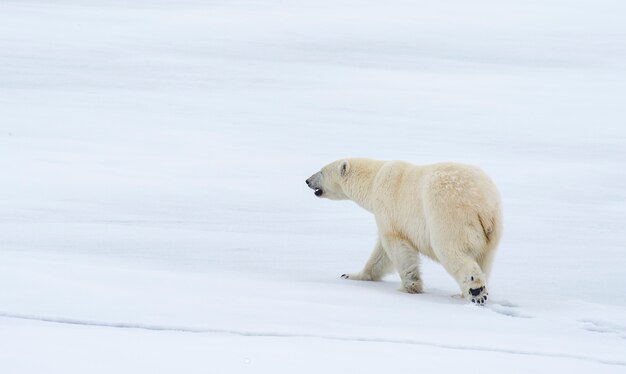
{"x":448,"y":212}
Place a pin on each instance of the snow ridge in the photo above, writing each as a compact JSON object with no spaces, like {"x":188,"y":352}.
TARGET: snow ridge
{"x":187,"y":329}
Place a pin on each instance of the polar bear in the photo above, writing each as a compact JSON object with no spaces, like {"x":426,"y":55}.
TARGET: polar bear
{"x":448,"y":212}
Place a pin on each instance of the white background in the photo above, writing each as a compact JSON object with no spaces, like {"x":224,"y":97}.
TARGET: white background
{"x":153,"y":211}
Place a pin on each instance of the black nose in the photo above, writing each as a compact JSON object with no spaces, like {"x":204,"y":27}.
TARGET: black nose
{"x":307,"y":182}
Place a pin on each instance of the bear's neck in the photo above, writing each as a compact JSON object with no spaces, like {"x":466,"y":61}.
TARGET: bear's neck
{"x":362,"y":178}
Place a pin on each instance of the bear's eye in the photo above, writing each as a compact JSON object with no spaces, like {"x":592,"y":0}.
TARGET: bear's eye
{"x":343,"y":170}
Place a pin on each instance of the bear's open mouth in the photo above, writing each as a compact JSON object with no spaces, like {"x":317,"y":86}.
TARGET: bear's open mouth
{"x":318,"y":192}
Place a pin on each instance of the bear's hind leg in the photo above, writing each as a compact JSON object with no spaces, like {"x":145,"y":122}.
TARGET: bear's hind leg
{"x":378,"y":265}
{"x":465,"y":270}
{"x":486,"y":261}
{"x":405,"y":258}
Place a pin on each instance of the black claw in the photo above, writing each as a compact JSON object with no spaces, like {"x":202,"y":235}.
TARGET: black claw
{"x":344,"y":276}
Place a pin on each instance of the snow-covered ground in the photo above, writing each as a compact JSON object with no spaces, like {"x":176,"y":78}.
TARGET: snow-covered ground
{"x":153,"y":211}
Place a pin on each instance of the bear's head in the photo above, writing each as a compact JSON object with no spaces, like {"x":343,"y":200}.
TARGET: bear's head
{"x":329,"y":182}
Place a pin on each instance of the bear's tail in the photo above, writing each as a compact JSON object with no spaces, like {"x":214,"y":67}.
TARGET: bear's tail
{"x":491,"y":226}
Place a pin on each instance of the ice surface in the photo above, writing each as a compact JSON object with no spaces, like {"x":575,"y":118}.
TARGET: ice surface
{"x":153,"y":211}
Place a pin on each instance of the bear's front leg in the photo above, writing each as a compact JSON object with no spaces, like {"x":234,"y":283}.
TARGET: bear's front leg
{"x":377,"y":266}
{"x":405,"y":258}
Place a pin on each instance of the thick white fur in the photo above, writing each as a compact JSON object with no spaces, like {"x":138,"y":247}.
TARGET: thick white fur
{"x":449,"y":212}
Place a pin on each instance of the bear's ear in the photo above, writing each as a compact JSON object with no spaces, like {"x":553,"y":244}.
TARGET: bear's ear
{"x":344,"y":167}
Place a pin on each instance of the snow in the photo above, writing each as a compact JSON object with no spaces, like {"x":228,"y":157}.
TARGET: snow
{"x":153,"y":211}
